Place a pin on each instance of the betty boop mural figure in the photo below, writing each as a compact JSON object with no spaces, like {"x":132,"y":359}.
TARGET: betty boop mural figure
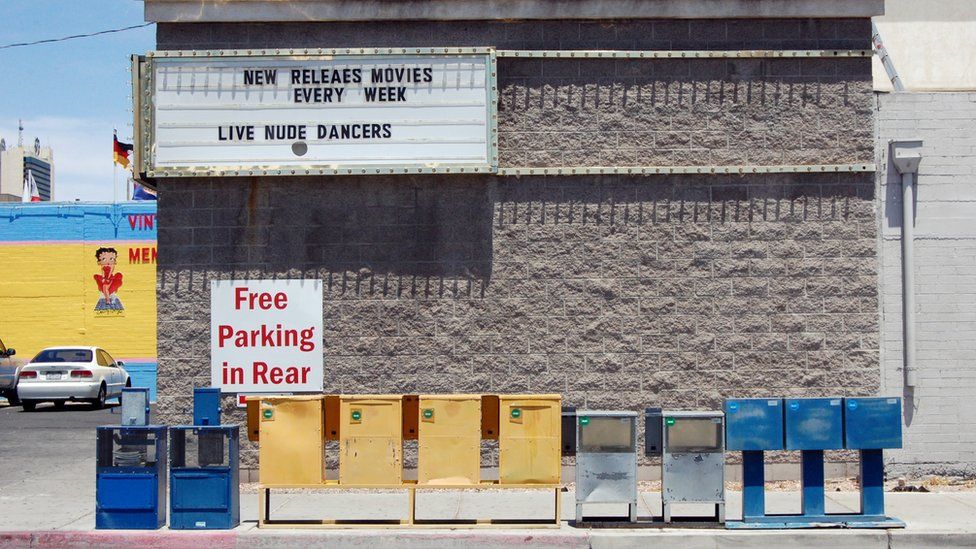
{"x":108,"y":280}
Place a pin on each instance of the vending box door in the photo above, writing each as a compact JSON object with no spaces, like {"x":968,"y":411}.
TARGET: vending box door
{"x":370,"y":439}
{"x":291,"y":449}
{"x":530,"y":433}
{"x":449,"y":439}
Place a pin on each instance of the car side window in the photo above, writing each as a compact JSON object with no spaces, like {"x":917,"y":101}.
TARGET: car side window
{"x":111,"y":361}
{"x":103,"y":358}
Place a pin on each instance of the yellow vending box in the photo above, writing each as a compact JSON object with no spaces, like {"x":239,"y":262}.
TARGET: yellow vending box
{"x":449,"y":439}
{"x":370,"y":439}
{"x":529,"y":439}
{"x":291,"y":447}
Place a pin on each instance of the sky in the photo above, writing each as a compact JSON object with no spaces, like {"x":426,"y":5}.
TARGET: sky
{"x":71,"y":94}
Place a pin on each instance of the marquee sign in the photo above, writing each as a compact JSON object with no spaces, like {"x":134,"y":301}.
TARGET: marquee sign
{"x":314,"y":112}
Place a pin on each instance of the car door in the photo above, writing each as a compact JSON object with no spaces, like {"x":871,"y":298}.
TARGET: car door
{"x":118,"y":377}
{"x":106,"y":371}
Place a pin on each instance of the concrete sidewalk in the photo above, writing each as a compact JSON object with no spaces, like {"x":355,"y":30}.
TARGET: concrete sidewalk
{"x":53,"y":520}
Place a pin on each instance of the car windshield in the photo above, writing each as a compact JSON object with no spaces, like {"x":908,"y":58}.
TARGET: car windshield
{"x":63,"y":355}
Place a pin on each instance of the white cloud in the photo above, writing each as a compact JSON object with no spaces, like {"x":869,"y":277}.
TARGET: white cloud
{"x":82,"y":147}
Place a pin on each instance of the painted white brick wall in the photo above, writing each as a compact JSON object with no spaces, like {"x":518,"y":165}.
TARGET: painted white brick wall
{"x":940,"y":414}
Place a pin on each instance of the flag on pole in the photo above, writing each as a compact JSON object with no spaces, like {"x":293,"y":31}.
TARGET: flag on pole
{"x":31,"y":193}
{"x":120,"y":151}
{"x":142,"y":193}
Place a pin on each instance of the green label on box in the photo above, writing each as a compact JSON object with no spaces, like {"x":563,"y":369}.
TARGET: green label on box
{"x":428,"y":413}
{"x":268,"y":414}
{"x":516,"y":413}
{"x":584,"y":421}
{"x":357,"y":415}
{"x":669,"y":421}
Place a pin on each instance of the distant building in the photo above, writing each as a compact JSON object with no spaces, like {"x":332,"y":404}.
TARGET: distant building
{"x":932,"y":44}
{"x":16,"y":161}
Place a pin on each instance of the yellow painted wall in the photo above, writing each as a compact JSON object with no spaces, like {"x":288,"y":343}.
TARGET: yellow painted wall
{"x":48,"y":295}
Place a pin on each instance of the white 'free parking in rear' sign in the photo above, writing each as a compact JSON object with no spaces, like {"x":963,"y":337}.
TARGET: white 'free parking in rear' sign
{"x":266,"y":335}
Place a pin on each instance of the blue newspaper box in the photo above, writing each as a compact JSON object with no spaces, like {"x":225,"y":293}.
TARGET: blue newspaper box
{"x":814,"y":423}
{"x":130,"y":477}
{"x":754,"y":424}
{"x":872,"y":423}
{"x":204,"y":477}
{"x":206,"y":406}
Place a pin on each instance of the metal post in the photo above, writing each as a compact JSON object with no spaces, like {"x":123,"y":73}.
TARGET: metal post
{"x":872,"y":483}
{"x":813,"y":482}
{"x":753,"y":484}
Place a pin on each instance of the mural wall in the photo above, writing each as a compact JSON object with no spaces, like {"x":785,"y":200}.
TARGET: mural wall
{"x":81,"y":274}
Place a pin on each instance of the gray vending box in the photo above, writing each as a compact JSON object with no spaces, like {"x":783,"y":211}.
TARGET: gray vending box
{"x":135,"y":406}
{"x":693,"y":464}
{"x":606,"y":460}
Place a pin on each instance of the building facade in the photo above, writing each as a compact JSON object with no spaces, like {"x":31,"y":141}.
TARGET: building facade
{"x":16,"y":162}
{"x":931,"y":48}
{"x":50,"y":257}
{"x":664,"y":230}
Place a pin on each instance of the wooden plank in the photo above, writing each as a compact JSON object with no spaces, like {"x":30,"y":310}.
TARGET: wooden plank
{"x":322,"y":525}
{"x":411,"y":521}
{"x":408,"y":485}
{"x":559,"y":506}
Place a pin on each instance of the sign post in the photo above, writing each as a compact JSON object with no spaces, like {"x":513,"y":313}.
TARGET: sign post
{"x":266,"y":336}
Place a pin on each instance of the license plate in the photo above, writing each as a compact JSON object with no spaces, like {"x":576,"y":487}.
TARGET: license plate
{"x":54,"y":377}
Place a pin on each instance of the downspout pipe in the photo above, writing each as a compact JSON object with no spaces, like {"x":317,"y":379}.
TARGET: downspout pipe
{"x":908,"y":273}
{"x":906,"y":155}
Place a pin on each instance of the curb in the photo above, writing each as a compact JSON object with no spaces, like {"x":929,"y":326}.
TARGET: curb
{"x":467,"y":539}
{"x":120,"y":539}
{"x":932,"y":539}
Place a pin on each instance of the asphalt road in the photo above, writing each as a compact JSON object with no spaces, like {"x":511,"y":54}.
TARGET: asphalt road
{"x":48,"y":442}
{"x":48,"y":453}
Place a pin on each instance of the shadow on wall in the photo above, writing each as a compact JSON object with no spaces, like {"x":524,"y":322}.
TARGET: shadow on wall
{"x":430,"y":237}
{"x":403,"y":237}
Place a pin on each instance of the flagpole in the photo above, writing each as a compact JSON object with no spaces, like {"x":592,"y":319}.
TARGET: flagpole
{"x":115,"y":170}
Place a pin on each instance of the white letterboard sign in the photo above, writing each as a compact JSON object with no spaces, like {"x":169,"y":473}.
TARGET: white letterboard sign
{"x":266,"y":335}
{"x":321,"y":114}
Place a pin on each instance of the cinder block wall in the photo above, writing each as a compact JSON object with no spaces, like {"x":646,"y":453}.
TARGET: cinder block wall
{"x":616,"y":291}
{"x":940,"y":413}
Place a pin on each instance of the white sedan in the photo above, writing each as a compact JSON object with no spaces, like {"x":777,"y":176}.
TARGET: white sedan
{"x":60,"y":374}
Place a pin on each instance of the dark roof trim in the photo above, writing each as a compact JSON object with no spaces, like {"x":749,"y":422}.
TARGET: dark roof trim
{"x":202,"y":11}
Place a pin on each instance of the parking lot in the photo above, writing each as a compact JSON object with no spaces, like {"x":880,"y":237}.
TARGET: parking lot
{"x":48,"y":455}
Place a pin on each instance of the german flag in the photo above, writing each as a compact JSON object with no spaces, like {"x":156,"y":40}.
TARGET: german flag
{"x":121,"y":151}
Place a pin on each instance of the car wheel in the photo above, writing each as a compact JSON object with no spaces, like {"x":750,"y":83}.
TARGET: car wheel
{"x":28,"y":405}
{"x":59,"y":404}
{"x":99,"y":402}
{"x":11,"y":396}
